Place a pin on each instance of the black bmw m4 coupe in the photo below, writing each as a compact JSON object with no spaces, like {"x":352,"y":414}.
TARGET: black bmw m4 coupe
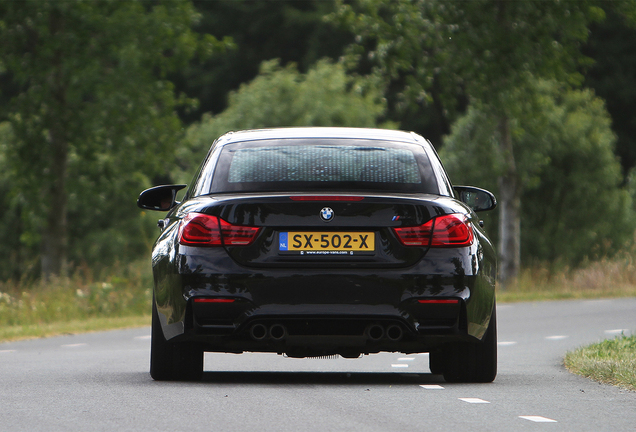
{"x":318,"y":242}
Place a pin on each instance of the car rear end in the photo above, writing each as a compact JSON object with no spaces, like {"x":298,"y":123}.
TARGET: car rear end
{"x":315,"y":247}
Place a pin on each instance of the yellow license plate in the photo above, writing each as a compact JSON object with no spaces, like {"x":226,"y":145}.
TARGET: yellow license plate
{"x":326,"y":242}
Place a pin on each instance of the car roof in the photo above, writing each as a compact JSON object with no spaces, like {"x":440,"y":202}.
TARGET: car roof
{"x":320,"y":132}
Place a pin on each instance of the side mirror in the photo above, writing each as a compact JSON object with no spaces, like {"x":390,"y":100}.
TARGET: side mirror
{"x":476,"y":198}
{"x":160,"y":198}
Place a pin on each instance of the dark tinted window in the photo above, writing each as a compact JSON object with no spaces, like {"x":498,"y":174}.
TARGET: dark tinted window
{"x":322,"y":165}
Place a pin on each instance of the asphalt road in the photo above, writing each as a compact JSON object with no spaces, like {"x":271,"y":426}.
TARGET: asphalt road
{"x":100,"y":381}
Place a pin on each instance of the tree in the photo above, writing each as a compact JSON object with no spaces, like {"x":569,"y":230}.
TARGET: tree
{"x":282,"y":96}
{"x":11,"y":254}
{"x":613,"y":76}
{"x":485,"y":49}
{"x":92,"y":104}
{"x":292,"y":31}
{"x":569,"y":177}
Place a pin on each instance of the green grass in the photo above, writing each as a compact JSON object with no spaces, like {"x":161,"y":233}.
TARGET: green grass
{"x":611,"y":362}
{"x":81,"y":303}
{"x":601,"y":279}
{"x":32,"y":331}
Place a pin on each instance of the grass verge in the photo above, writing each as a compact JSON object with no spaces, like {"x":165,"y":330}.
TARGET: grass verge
{"x":610,"y":362}
{"x":81,"y":303}
{"x":601,"y":279}
{"x":32,"y":331}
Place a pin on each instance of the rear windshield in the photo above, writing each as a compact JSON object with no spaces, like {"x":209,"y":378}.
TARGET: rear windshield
{"x":322,"y":165}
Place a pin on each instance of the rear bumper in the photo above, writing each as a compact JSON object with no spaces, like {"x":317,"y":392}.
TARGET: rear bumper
{"x":326,"y":319}
{"x":311,"y":312}
{"x":315,"y":330}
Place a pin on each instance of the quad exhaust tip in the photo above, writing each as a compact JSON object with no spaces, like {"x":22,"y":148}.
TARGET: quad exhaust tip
{"x":376,"y":332}
{"x":258,"y":332}
{"x":394,"y":332}
{"x":278,"y":332}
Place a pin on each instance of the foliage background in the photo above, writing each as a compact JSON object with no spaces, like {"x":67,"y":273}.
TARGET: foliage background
{"x":281,"y":64}
{"x":569,"y":173}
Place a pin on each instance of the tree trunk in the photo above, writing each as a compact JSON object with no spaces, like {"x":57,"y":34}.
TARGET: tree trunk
{"x":54,"y":237}
{"x":509,"y":213}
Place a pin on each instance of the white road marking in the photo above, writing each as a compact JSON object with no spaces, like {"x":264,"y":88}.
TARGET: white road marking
{"x":506,"y":343}
{"x":431,"y":387}
{"x":7,"y":351}
{"x":74,"y":345}
{"x":596,"y":302}
{"x":399,"y":365}
{"x":406,"y":358}
{"x":538,"y":419}
{"x":617,"y":331}
{"x":474,"y":400}
{"x":556,"y":337}
{"x":142,"y":337}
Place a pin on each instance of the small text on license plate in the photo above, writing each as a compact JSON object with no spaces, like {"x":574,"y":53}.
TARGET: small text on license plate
{"x":326,"y":242}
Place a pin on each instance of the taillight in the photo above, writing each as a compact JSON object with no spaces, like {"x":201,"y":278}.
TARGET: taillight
{"x":415,"y":236}
{"x":213,"y":300}
{"x":452,"y":230}
{"x":441,"y":301}
{"x":199,"y":229}
{"x":325,"y":198}
{"x":236,"y":235}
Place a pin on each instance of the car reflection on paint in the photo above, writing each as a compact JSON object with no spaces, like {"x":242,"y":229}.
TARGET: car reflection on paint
{"x":318,"y":242}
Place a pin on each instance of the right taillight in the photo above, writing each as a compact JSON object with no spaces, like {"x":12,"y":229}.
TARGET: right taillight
{"x":453,"y":230}
{"x":199,"y":229}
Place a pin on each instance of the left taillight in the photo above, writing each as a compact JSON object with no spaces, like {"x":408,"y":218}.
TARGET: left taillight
{"x":453,"y":230}
{"x":199,"y":229}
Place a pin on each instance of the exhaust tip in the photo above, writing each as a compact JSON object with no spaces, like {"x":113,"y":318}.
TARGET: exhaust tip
{"x":375,"y":332}
{"x":277,"y":332}
{"x":394,"y":332}
{"x":258,"y":332}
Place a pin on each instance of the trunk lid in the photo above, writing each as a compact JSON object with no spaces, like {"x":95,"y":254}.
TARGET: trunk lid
{"x":326,"y":231}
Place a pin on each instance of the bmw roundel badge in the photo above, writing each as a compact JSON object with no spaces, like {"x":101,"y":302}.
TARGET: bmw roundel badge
{"x":326,"y":214}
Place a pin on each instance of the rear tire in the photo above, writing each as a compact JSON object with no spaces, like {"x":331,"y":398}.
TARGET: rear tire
{"x":170,"y":361}
{"x":473,"y":362}
{"x":436,"y":362}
